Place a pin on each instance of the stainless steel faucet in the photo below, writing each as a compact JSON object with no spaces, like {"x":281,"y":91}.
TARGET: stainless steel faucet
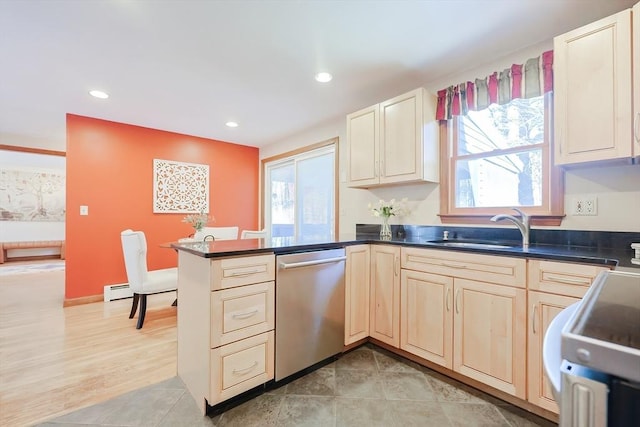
{"x":522,"y":224}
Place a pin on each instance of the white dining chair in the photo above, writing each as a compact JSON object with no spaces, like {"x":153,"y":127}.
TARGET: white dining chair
{"x":253,"y":234}
{"x":142,"y":281}
{"x":218,"y":233}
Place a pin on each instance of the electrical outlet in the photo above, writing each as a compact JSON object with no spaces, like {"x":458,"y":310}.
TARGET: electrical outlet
{"x":585,"y":206}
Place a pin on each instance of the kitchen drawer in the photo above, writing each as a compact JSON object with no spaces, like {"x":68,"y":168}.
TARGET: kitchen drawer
{"x":241,"y":312}
{"x":240,"y":366}
{"x":239,"y":271}
{"x":486,"y":268}
{"x":562,"y":278}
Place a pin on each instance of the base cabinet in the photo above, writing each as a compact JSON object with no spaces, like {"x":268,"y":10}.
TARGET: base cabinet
{"x":544,"y":307}
{"x":357,"y":293}
{"x":384,"y":323}
{"x":553,"y":286}
{"x":467,"y":314}
{"x":426,"y":316}
{"x":225,"y":325}
{"x":490,"y":335}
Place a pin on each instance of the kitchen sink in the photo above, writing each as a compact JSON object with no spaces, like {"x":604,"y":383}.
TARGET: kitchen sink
{"x":469,"y":244}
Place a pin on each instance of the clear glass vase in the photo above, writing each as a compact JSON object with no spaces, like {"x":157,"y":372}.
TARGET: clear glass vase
{"x":385,"y":229}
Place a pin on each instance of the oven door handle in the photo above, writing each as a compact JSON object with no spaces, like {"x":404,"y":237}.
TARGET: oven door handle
{"x":286,"y":266}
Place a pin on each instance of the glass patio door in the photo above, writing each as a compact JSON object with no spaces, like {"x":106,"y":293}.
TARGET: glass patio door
{"x":300,"y":196}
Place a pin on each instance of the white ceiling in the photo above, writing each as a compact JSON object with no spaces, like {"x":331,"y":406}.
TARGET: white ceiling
{"x":190,"y":66}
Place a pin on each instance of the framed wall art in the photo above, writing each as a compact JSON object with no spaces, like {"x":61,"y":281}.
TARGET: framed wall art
{"x":180,"y":187}
{"x":29,"y":194}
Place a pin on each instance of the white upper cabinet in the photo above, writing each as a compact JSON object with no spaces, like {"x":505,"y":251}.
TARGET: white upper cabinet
{"x":593,"y":90}
{"x":395,"y":141}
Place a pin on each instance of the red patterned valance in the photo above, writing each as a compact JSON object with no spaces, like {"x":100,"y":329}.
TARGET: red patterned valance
{"x":531,"y":79}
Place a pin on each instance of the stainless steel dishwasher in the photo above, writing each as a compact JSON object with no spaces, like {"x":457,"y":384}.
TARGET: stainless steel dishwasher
{"x":309,"y":309}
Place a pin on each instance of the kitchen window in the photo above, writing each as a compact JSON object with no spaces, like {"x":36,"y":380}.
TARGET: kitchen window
{"x":300,"y":193}
{"x":498,"y":158}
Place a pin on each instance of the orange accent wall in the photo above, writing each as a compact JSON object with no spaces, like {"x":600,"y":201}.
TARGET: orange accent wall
{"x":110,"y":169}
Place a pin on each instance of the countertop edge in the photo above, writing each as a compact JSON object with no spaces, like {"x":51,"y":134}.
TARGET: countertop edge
{"x":582,"y":255}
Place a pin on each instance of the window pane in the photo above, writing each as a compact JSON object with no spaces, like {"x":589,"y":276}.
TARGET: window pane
{"x":516,"y":124}
{"x":283,"y":192}
{"x":315,"y":197}
{"x":300,"y":195}
{"x":496,"y":181}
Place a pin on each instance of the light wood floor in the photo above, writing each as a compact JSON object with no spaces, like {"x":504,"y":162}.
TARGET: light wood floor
{"x":54,"y":360}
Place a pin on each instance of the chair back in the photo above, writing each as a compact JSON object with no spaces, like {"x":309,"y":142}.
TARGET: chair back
{"x":134,"y":249}
{"x":219,"y":233}
{"x":253,"y":234}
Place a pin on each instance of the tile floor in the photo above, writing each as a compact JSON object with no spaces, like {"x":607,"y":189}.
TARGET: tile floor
{"x":366,"y":387}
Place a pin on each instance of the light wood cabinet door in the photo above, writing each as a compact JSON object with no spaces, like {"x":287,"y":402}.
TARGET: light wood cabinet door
{"x":426,"y":316}
{"x":406,"y":136}
{"x":363,"y":130}
{"x":490,"y":335}
{"x":357,"y":293}
{"x":384,"y":324}
{"x":592,"y":91}
{"x":238,"y":313}
{"x":543,"y":308}
{"x":636,"y":79}
{"x":241,"y":366}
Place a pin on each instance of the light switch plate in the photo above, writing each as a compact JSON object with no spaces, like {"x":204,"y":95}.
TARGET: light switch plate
{"x":84,"y":210}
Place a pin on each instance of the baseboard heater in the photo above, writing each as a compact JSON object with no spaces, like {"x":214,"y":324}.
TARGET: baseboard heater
{"x":119,"y":291}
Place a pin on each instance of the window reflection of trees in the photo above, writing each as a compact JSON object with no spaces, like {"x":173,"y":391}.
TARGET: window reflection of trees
{"x":508,"y":137}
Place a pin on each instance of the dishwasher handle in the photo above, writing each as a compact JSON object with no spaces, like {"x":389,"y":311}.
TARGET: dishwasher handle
{"x":286,"y":266}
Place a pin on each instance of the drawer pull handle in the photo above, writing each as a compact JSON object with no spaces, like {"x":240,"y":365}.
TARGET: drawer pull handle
{"x":245,"y":315}
{"x":243,"y":273}
{"x":457,"y":299}
{"x":453,"y":265}
{"x":447,"y":299}
{"x":533,"y":317}
{"x":569,"y":280}
{"x":245,"y":370}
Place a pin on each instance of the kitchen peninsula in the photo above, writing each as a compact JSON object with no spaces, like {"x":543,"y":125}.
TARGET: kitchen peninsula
{"x":226,"y":313}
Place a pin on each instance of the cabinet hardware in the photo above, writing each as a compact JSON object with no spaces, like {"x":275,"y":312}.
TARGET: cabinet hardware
{"x":244,"y":273}
{"x":569,"y":280}
{"x":308,"y":263}
{"x":245,"y":370}
{"x":448,"y":303}
{"x":533,"y":317}
{"x":375,"y":169}
{"x":453,"y":265}
{"x":244,"y":315}
{"x":457,"y":299}
{"x":396,"y":267}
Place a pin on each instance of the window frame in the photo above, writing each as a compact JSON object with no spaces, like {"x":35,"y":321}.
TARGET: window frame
{"x":549,"y":213}
{"x":298,"y":153}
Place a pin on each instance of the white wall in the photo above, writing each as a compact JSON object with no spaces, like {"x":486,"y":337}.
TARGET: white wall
{"x":31,"y":230}
{"x":617,"y":187}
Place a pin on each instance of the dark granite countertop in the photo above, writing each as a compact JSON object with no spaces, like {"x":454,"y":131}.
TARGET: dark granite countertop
{"x":613,"y":257}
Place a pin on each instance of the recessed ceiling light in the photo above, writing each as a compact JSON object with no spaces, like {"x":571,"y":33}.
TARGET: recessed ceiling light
{"x":323,"y":77}
{"x":232,"y":124}
{"x":99,"y":94}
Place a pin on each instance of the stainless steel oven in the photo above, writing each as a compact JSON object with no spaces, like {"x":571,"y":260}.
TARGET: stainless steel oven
{"x":592,"y":354}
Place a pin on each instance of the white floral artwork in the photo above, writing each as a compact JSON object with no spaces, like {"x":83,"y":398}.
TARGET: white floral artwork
{"x":180,"y":187}
{"x":32,"y":195}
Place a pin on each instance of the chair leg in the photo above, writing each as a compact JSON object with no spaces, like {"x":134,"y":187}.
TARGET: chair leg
{"x":134,"y":306}
{"x":143,"y":310}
